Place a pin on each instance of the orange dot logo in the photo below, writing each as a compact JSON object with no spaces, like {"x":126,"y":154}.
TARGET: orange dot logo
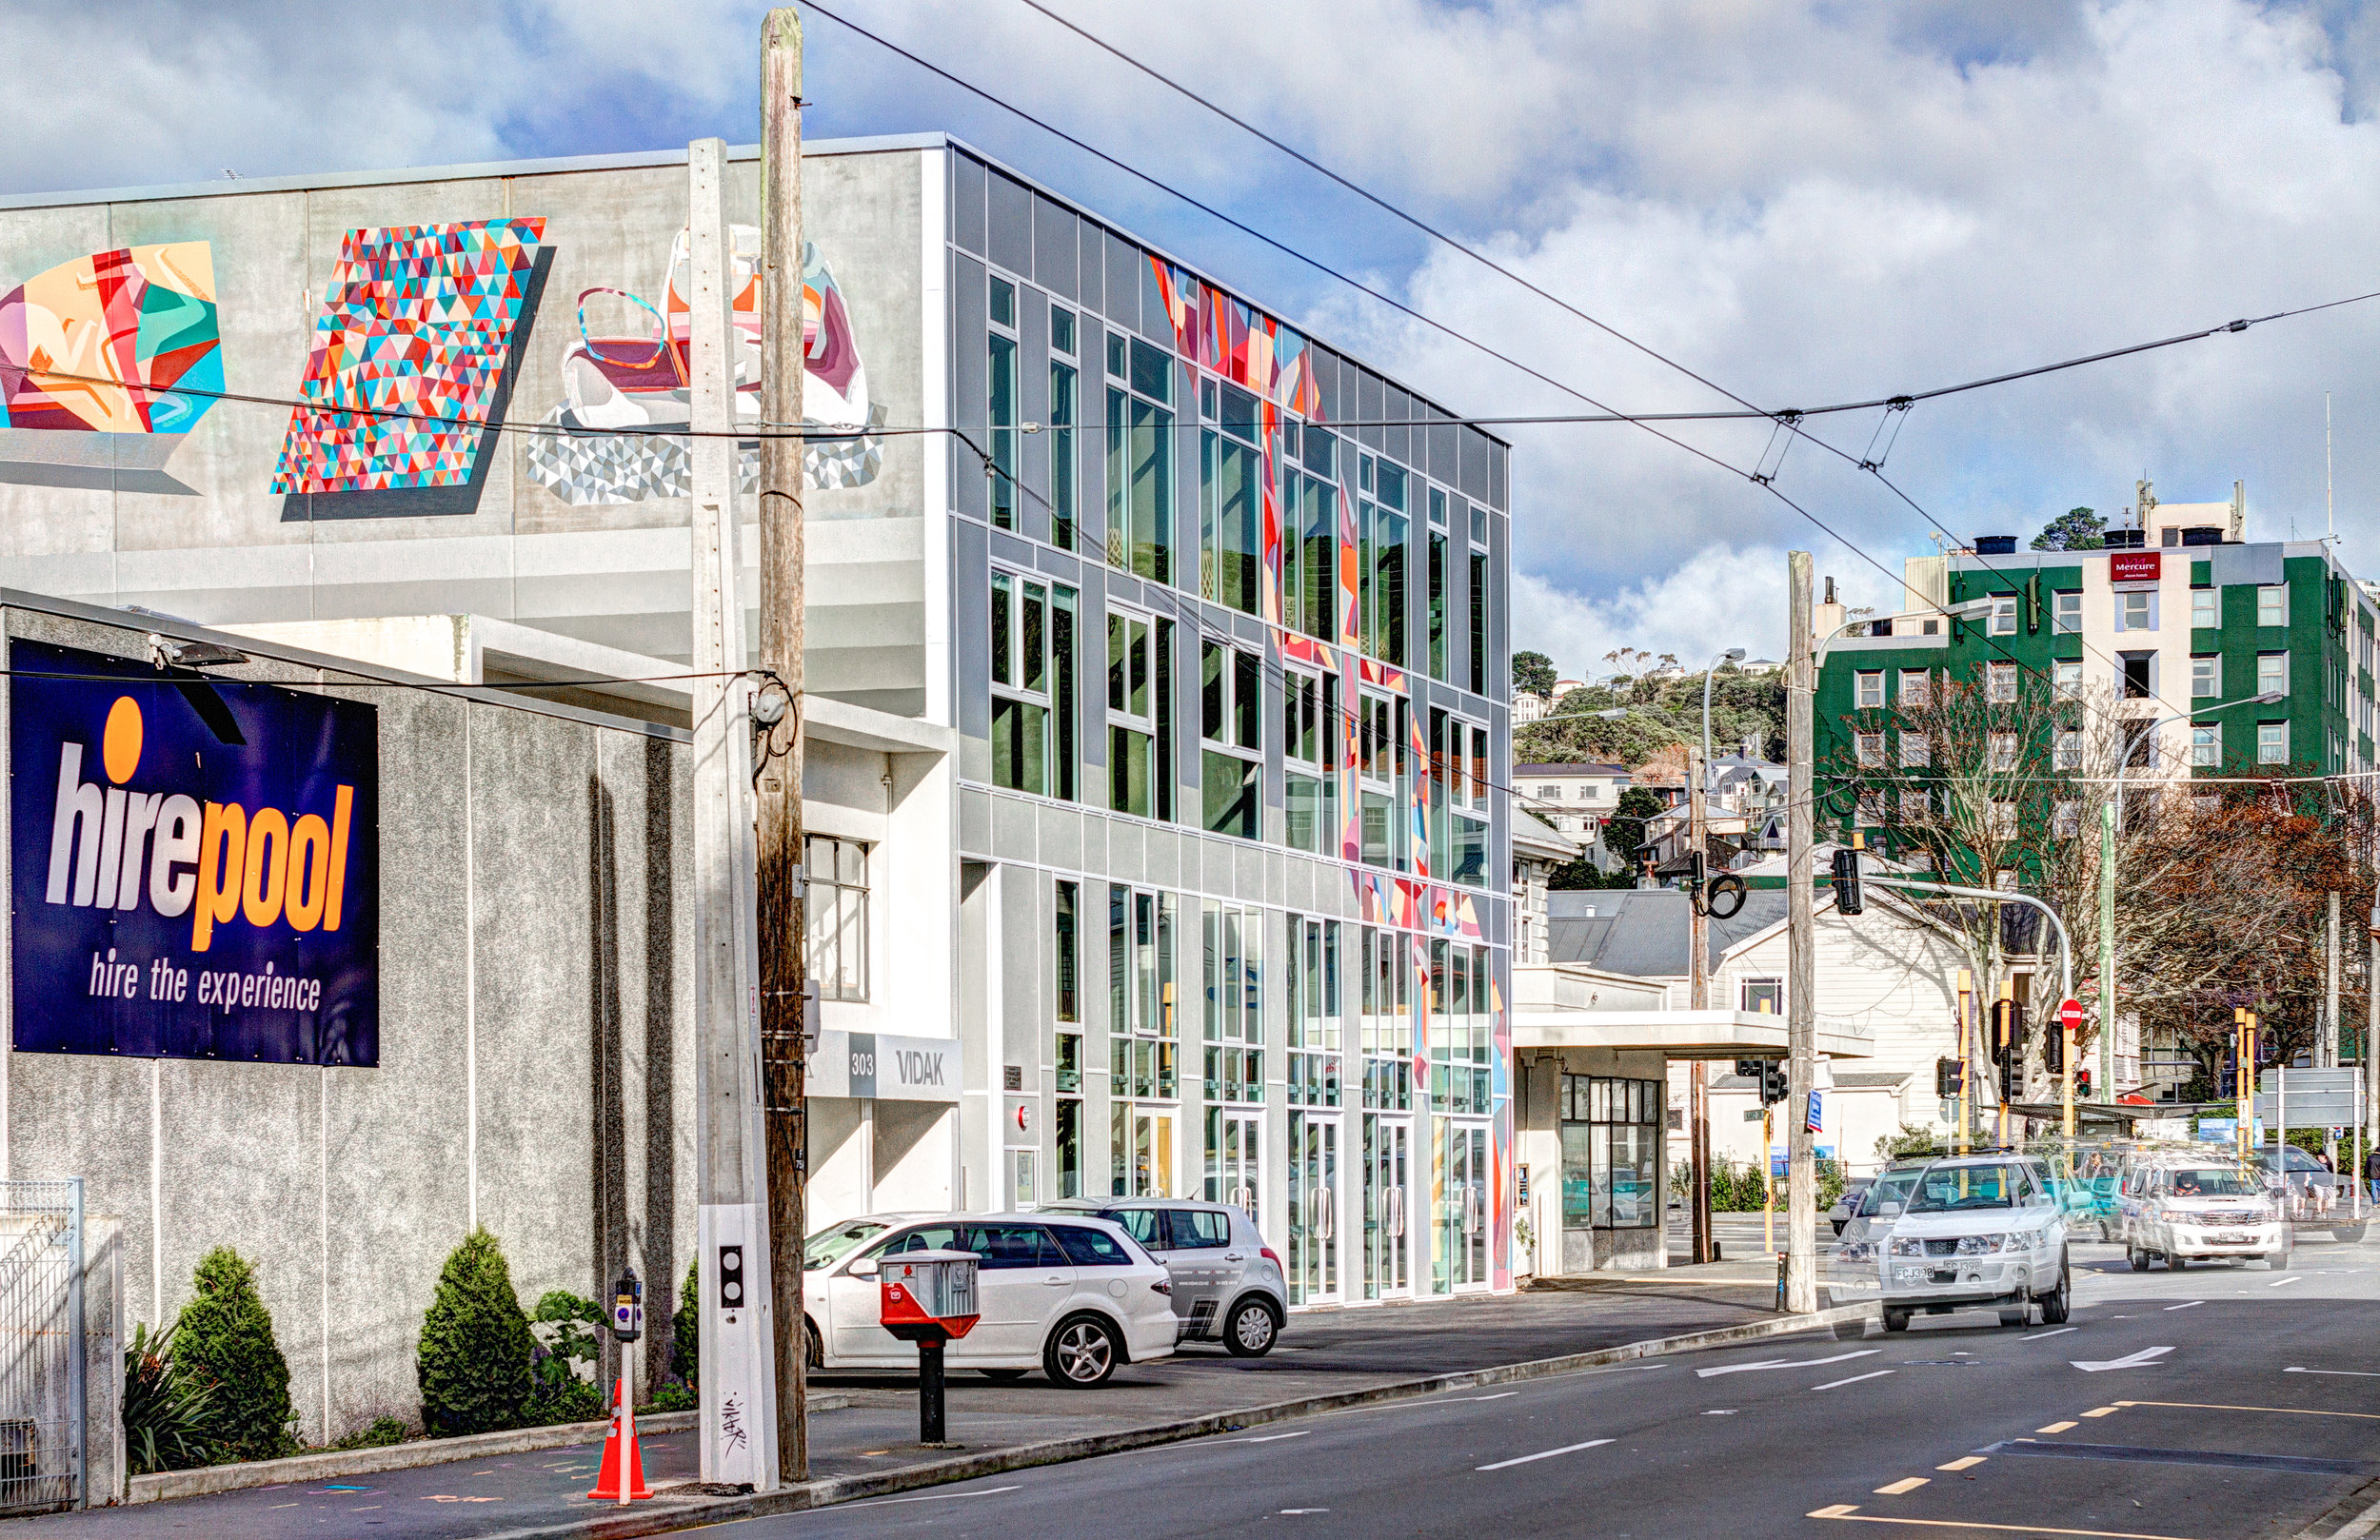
{"x":121,"y":749}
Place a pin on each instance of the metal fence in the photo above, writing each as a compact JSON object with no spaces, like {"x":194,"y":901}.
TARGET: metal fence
{"x":42,"y":1394}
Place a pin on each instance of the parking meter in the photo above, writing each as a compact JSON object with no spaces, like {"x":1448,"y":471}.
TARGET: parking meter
{"x":928,"y":1299}
{"x":627,"y":1307}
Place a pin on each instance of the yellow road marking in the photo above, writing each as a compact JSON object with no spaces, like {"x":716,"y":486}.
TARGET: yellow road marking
{"x":2287,"y":1412}
{"x":1851,"y":1515}
{"x":1962,"y":1463}
{"x":2054,"y":1428}
{"x":2101,"y":1411}
{"x":1904,"y":1484}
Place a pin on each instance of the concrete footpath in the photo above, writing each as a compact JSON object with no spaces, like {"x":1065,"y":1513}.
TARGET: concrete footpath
{"x":1325,"y":1357}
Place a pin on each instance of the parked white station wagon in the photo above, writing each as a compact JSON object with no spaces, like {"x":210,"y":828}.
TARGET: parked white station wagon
{"x":1069,"y":1295}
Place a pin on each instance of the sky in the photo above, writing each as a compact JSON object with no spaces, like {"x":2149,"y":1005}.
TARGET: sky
{"x":1799,"y":203}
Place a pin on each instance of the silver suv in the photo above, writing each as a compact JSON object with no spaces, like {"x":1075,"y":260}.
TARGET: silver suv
{"x":1227,"y":1282}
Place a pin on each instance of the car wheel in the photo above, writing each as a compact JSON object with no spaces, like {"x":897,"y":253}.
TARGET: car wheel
{"x":2105,"y":1232}
{"x":2057,"y":1304}
{"x":2176,"y":1262}
{"x":1081,"y":1352}
{"x":810,"y":1341}
{"x":1005,"y":1376}
{"x":2277,"y":1261}
{"x":2136,"y":1259}
{"x":1253,"y":1330}
{"x":1897,"y":1320}
{"x":2350,"y":1232}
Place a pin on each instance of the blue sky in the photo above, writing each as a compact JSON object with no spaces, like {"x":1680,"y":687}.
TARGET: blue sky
{"x":1802,"y":201}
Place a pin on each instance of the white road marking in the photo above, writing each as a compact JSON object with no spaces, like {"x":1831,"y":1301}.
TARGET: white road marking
{"x":2359,"y":1373}
{"x":1271,"y":1438}
{"x":1855,"y":1379}
{"x":2135,"y":1360}
{"x":1437,"y":1401}
{"x":2054,"y":1331}
{"x":1904,"y":1484}
{"x":935,"y":1497}
{"x":1305,"y":1509}
{"x":1544,"y":1454}
{"x":2193,"y":1305}
{"x":2278,"y":1282}
{"x":1963,"y":1462}
{"x":1785,"y":1363}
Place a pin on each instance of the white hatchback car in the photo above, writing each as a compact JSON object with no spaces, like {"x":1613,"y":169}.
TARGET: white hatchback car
{"x":1975,"y":1232}
{"x":1066,"y":1294}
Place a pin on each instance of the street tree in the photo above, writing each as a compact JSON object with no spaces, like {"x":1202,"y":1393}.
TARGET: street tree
{"x":2077,"y":529}
{"x":1533,"y":674}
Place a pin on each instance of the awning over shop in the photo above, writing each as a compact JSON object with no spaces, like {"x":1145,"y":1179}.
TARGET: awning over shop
{"x":1723,"y":1035}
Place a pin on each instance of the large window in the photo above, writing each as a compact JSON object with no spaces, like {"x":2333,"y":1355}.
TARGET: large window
{"x":836,"y":912}
{"x":1140,"y":1021}
{"x":2066,"y":611}
{"x":2273,"y":743}
{"x":1478,"y":622}
{"x":1459,"y":805}
{"x":1610,"y":1140}
{"x":1385,"y":1011}
{"x":1003,"y":385}
{"x":2205,"y":606}
{"x":2272,"y":604}
{"x":1231,"y":732}
{"x":1309,"y":733}
{"x":1064,"y":387}
{"x":1870,"y":693}
{"x":2272,"y":673}
{"x":1313,"y":1012}
{"x":1380,"y":771}
{"x":1380,"y":526}
{"x":1437,"y":578}
{"x":1461,"y":1028}
{"x":1232,"y":980}
{"x":2206,"y":745}
{"x":1309,"y":493}
{"x":2206,"y":676}
{"x":1139,"y":459}
{"x":1140,"y":777}
{"x":1231,"y":550}
{"x":1033,"y":685}
{"x":2136,"y":609}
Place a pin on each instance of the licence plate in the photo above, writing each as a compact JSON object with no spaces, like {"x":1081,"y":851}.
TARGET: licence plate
{"x":2232,"y":1239}
{"x":1943,"y":1276}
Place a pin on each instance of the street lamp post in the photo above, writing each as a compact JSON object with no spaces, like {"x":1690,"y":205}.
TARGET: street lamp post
{"x":2111,"y":823}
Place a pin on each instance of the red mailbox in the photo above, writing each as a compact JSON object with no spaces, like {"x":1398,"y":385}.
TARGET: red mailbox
{"x":928,"y":1299}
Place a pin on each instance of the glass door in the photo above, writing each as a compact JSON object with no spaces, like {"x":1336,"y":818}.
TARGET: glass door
{"x":1233,"y":1170}
{"x":1474,"y":1273}
{"x":1144,"y":1151}
{"x":1387,"y":1246}
{"x":1313,"y":1208}
{"x":1458,"y":1256}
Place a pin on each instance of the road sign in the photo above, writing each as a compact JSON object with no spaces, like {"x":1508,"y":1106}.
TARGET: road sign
{"x":2070,"y":1013}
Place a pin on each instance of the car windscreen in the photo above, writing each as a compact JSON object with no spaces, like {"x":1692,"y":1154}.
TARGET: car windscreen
{"x":1951,"y":1189}
{"x":2212,"y":1181}
{"x":830,"y":1245}
{"x":1141,"y":1224}
{"x":1893,"y":1187}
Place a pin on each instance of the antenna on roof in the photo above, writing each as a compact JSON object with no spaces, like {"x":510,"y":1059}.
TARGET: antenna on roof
{"x":2329,"y":515}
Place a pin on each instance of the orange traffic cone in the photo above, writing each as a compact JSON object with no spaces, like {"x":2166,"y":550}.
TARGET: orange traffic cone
{"x":622,"y":1479}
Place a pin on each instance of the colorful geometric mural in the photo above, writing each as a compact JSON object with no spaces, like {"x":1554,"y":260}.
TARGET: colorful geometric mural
{"x":637,"y":382}
{"x":1382,"y":900}
{"x":418,"y":322}
{"x":91,"y":351}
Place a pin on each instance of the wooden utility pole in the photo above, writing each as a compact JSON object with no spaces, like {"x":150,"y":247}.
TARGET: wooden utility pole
{"x":1699,"y":998}
{"x":739,"y":1397}
{"x":1802,"y":966}
{"x":783,"y":890}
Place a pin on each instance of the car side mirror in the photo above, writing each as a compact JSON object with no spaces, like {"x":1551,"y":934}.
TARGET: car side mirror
{"x":1887,"y":1209}
{"x":866,"y":1267}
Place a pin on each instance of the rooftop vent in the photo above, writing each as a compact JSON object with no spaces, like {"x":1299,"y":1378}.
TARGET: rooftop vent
{"x":2124,"y":539}
{"x":1996,"y":545}
{"x":2204,"y":535}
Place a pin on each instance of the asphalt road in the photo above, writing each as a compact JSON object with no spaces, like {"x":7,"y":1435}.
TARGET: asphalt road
{"x":2226,"y":1403}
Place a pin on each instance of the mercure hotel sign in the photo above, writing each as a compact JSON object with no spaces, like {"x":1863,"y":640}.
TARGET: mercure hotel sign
{"x":196,"y":864}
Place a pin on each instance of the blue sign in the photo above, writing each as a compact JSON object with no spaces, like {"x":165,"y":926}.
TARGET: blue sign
{"x":182,"y":890}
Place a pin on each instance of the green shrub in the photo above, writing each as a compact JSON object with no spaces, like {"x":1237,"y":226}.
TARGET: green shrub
{"x":674,"y":1396}
{"x":474,"y":1360}
{"x":557,"y":1392}
{"x":164,"y":1410}
{"x":383,"y":1431}
{"x":685,"y":1330}
{"x":223,"y":1340}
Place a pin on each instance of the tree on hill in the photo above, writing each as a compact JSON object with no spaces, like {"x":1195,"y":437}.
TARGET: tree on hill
{"x":1655,"y":715}
{"x":2077,"y":529}
{"x":1533,"y":674}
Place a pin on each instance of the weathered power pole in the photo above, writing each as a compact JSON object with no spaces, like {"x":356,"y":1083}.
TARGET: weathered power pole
{"x":1802,"y":966}
{"x":1699,"y":998}
{"x":781,"y":858}
{"x":739,"y":1399}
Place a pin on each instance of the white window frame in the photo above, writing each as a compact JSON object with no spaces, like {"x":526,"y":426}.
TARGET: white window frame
{"x":2066,"y":611}
{"x":2003,"y":750}
{"x":2065,"y":820}
{"x":1869,"y":683}
{"x":2272,"y":603}
{"x":2273,"y":672}
{"x":2069,"y":678}
{"x":2136,"y":609}
{"x":837,"y":899}
{"x":2206,"y":676}
{"x":1916,"y":807}
{"x":1868,"y":748}
{"x":2206,"y":608}
{"x":2273,"y":743}
{"x":1369,"y":705}
{"x":1917,"y":750}
{"x":1917,"y":687}
{"x":2070,"y":748}
{"x":1021,"y":586}
{"x":2001,"y":682}
{"x":2206,"y":745}
{"x":2003,"y":619}
{"x":1303,"y":684}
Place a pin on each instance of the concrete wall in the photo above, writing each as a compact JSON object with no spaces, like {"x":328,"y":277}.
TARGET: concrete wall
{"x":209,"y":539}
{"x":536,"y":1072}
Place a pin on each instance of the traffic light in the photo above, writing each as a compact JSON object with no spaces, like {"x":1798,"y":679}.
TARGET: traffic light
{"x":2082,"y":1085}
{"x":2053,"y":1047}
{"x":2012,"y":1078}
{"x":2007,"y":1032}
{"x":1847,"y":899}
{"x":1949,"y":1078}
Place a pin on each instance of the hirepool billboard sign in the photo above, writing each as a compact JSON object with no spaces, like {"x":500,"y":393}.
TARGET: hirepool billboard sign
{"x":188,"y":891}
